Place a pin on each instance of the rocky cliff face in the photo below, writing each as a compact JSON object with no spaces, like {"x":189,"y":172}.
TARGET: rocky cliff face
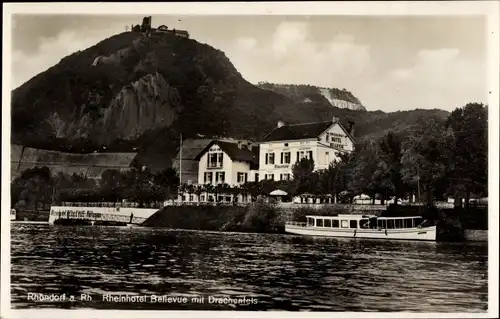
{"x":133,"y":92}
{"x":309,"y":94}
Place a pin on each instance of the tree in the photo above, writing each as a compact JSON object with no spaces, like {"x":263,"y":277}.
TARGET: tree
{"x":391,"y":152}
{"x":253,"y":189}
{"x":365,"y":177}
{"x":470,"y":149}
{"x":34,"y":186}
{"x":81,"y":181}
{"x":426,"y":158}
{"x":302,"y":172}
{"x":168,"y":179}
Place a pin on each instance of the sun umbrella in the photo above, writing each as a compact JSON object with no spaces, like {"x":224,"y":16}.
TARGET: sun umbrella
{"x":278,"y":192}
{"x":362,"y":196}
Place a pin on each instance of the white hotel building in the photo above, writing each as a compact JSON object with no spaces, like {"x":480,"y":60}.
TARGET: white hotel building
{"x":237,"y":162}
{"x":286,"y":144}
{"x":232,"y":163}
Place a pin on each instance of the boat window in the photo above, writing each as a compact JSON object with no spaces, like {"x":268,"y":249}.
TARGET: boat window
{"x":417,"y":221}
{"x":310,"y":221}
{"x":398,"y":223}
{"x":335,"y":223}
{"x":328,"y":223}
{"x":408,"y":223}
{"x":390,"y":224}
{"x":353,"y":224}
{"x":364,"y":223}
{"x":344,"y":224}
{"x":319,"y":222}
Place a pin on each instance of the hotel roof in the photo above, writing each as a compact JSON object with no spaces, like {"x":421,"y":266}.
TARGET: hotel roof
{"x":242,"y":154}
{"x":302,"y":131}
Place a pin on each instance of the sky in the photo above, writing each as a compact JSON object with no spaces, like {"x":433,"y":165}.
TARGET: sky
{"x":390,"y":63}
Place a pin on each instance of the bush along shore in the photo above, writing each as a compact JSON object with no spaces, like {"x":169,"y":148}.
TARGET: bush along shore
{"x":260,"y":216}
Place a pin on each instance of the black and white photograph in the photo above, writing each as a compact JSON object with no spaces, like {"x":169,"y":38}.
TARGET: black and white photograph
{"x":330,"y":159}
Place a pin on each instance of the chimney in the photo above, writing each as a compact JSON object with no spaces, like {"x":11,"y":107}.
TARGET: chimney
{"x":350,"y":128}
{"x":281,"y":123}
{"x":335,"y":119}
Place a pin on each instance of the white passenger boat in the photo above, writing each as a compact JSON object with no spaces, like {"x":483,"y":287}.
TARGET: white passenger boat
{"x":365,"y":226}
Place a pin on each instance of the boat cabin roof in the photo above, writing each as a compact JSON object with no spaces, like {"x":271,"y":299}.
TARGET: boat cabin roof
{"x":358,"y":217}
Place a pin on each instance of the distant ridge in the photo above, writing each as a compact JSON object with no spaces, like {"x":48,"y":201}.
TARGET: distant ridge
{"x":310,"y":94}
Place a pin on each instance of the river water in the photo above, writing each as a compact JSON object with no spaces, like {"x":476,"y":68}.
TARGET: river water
{"x":271,"y":271}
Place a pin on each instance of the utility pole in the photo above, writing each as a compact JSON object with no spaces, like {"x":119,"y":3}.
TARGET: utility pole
{"x":180,"y":162}
{"x":418,"y":184}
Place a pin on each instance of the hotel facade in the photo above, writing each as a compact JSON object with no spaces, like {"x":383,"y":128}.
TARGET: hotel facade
{"x":232,"y":163}
{"x":237,"y":162}
{"x":287,"y":144}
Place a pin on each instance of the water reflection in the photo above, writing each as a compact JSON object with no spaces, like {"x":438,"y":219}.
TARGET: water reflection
{"x":282,"y":271}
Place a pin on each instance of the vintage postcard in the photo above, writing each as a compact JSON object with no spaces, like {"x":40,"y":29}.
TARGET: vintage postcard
{"x":253,"y":160}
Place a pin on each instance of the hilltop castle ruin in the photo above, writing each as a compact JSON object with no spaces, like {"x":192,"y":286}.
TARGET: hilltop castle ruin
{"x":147,"y":29}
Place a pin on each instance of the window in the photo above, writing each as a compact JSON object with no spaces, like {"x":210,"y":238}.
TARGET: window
{"x":256,"y":177}
{"x":319,"y":222}
{"x":408,"y":223}
{"x":220,"y":177}
{"x":241,"y":177}
{"x":399,"y":223}
{"x":191,"y":198}
{"x":202,"y":198}
{"x":382,"y":223}
{"x":364,"y":223}
{"x":286,"y":144}
{"x":270,"y":177}
{"x":285,"y":177}
{"x":328,"y":223}
{"x":335,"y":223}
{"x":285,"y":157}
{"x":304,"y":154}
{"x":353,"y":224}
{"x":310,"y":221}
{"x":214,"y":159}
{"x":208,"y":178}
{"x":344,"y":224}
{"x":183,"y":198}
{"x":417,"y":221}
{"x":270,"y":158}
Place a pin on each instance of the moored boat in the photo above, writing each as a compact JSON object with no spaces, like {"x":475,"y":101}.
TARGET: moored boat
{"x":365,"y":226}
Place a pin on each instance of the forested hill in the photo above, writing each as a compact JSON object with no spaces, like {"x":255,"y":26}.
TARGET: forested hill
{"x":131,"y":92}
